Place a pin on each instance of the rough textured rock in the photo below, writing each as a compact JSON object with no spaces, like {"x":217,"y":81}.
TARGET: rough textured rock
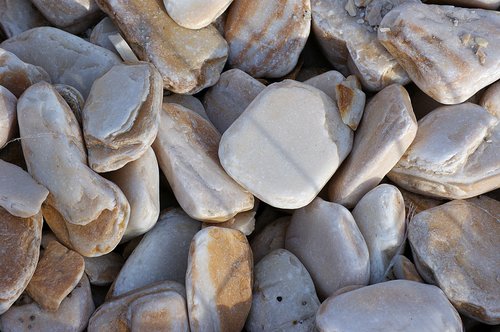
{"x":8,"y":116}
{"x":189,"y":102}
{"x":266,"y":37}
{"x":17,"y":16}
{"x":103,"y":270}
{"x":491,"y":99}
{"x":195,"y":14}
{"x":456,"y":247}
{"x":219,"y":280}
{"x":101,"y":32}
{"x":270,"y":238}
{"x":188,"y":60}
{"x":398,"y":305}
{"x":326,"y":239}
{"x":67,"y":13}
{"x":186,"y":147}
{"x":387,"y":129}
{"x":449,"y":52}
{"x":454,"y":154}
{"x":20,"y":239}
{"x":403,"y":268}
{"x":286,"y":145}
{"x":284,"y":298}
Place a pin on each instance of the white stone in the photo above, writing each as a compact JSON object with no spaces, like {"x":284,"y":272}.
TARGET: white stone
{"x":8,"y":116}
{"x":243,"y":222}
{"x":195,"y":14}
{"x":327,"y":82}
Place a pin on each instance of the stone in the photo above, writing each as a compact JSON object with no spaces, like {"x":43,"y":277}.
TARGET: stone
{"x":20,"y":195}
{"x":491,"y":99}
{"x":8,"y":116}
{"x":286,"y":145}
{"x":20,"y":239}
{"x":351,"y":104}
{"x":284,"y":298}
{"x":266,"y":37}
{"x":66,"y":58}
{"x":327,"y":82}
{"x":270,"y":238}
{"x":186,"y":148}
{"x":101,"y":32}
{"x":17,"y":16}
{"x":73,"y":313}
{"x":195,"y":14}
{"x":398,"y":305}
{"x":449,"y":52}
{"x":190,"y":102}
{"x":226,"y":100}
{"x":485,"y":4}
{"x":92,"y":216}
{"x":326,"y":239}
{"x":380,"y":216}
{"x":415,"y":203}
{"x":188,"y":60}
{"x":157,"y":307}
{"x":161,"y":255}
{"x":68,"y":13}
{"x":16,"y":76}
{"x":57,"y":274}
{"x":403,"y":268}
{"x":243,"y":222}
{"x":103,"y":270}
{"x":455,"y":246}
{"x":121,"y":115}
{"x":386,"y":131}
{"x":453,"y":155}
{"x":349,"y":40}
{"x":219,"y":280}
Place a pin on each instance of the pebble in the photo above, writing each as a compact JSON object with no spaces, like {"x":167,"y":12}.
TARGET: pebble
{"x":456,"y":247}
{"x":351,"y":104}
{"x":270,"y":238}
{"x":104,"y":269}
{"x":491,"y":99}
{"x":403,"y":268}
{"x":415,"y":203}
{"x":486,"y":4}
{"x":286,"y":145}
{"x":327,"y":82}
{"x":219,"y":280}
{"x":195,"y":14}
{"x":8,"y":116}
{"x":243,"y":222}
{"x":17,"y":16}
{"x":73,"y":98}
{"x":190,"y":102}
{"x":101,"y":32}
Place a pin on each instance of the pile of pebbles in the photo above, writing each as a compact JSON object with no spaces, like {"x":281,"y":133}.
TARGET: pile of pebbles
{"x":229,"y":165}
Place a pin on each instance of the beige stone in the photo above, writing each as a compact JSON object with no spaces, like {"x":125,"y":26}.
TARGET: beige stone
{"x":73,"y":98}
{"x":491,"y":99}
{"x":270,"y":238}
{"x":327,"y":82}
{"x":195,"y":14}
{"x":67,"y":13}
{"x":243,"y":222}
{"x":8,"y":116}
{"x":190,"y":102}
{"x":188,"y":60}
{"x":219,"y":280}
{"x":103,"y":270}
{"x":486,"y":4}
{"x":403,"y":268}
{"x":415,"y":203}
{"x":266,"y":37}
{"x":101,"y":32}
{"x":351,"y":104}
{"x":17,"y":16}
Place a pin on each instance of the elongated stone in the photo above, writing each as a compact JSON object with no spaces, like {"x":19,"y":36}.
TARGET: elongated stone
{"x":17,"y":16}
{"x":270,"y":238}
{"x":103,"y":270}
{"x":449,"y":52}
{"x":195,"y":14}
{"x":67,"y":13}
{"x":8,"y":116}
{"x":491,"y":99}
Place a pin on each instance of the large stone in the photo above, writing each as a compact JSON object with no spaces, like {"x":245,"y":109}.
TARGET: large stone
{"x":188,"y":60}
{"x":17,"y":16}
{"x":454,"y":154}
{"x":491,"y":99}
{"x":195,"y":14}
{"x":270,"y":238}
{"x":8,"y":116}
{"x":326,"y":239}
{"x":67,"y":13}
{"x":104,"y":269}
{"x":121,"y":114}
{"x":266,"y":37}
{"x":286,"y":145}
{"x":219,"y":280}
{"x":456,"y":247}
{"x":449,"y":52}
{"x":387,"y":129}
{"x":398,"y":305}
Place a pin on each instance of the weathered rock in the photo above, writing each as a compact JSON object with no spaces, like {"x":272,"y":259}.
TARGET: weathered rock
{"x":453,"y":155}
{"x":101,"y":32}
{"x":491,"y":99}
{"x":388,"y":128}
{"x":17,"y":16}
{"x":486,"y":4}
{"x":186,"y":147}
{"x":455,"y":246}
{"x":327,"y":82}
{"x":226,"y":100}
{"x":190,"y":102}
{"x":219,"y":280}
{"x":103,"y":270}
{"x":403,"y":268}
{"x":243,"y":222}
{"x":286,"y":145}
{"x":57,"y":274}
{"x":351,"y":104}
{"x":188,"y":60}
{"x":20,"y":239}
{"x":195,"y":14}
{"x":326,"y":239}
{"x":8,"y":116}
{"x":266,"y":37}
{"x":68,"y":13}
{"x":449,"y":52}
{"x":284,"y":297}
{"x":398,"y":305}
{"x":270,"y":238}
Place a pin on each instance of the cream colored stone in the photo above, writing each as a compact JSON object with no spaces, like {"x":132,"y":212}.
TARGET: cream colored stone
{"x":17,"y":16}
{"x":67,"y":13}
{"x":449,"y":52}
{"x":195,"y":14}
{"x":103,"y":270}
{"x":286,"y":145}
{"x":73,"y":98}
{"x":243,"y":222}
{"x":270,"y":238}
{"x":266,"y":37}
{"x":486,"y":4}
{"x":403,"y":268}
{"x":8,"y":116}
{"x":491,"y":99}
{"x":327,"y":82}
{"x":219,"y":280}
{"x":454,"y":154}
{"x":186,"y":147}
{"x":190,"y":102}
{"x":351,"y":104}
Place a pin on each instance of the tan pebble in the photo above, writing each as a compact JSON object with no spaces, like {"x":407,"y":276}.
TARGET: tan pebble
{"x":351,"y":104}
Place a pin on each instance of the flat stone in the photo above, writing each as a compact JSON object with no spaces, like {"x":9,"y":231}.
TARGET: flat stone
{"x":284,"y":298}
{"x":190,"y":102}
{"x":266,"y":37}
{"x":403,"y":268}
{"x":219,"y":280}
{"x":67,"y":59}
{"x":453,"y":155}
{"x":380,"y":216}
{"x":286,"y":145}
{"x":270,"y":238}
{"x":20,"y":239}
{"x":8,"y":116}
{"x":398,"y":305}
{"x":485,"y":4}
{"x":195,"y":14}
{"x":101,"y":32}
{"x":455,"y":246}
{"x":226,"y":100}
{"x":161,"y":255}
{"x":491,"y":99}
{"x":66,"y":13}
{"x":186,"y":147}
{"x":20,"y":195}
{"x":326,"y":239}
{"x":349,"y":40}
{"x":103,"y":270}
{"x":57,"y":274}
{"x":17,"y":16}
{"x":188,"y":60}
{"x":327,"y":82}
{"x":449,"y":52}
{"x":386,"y":131}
